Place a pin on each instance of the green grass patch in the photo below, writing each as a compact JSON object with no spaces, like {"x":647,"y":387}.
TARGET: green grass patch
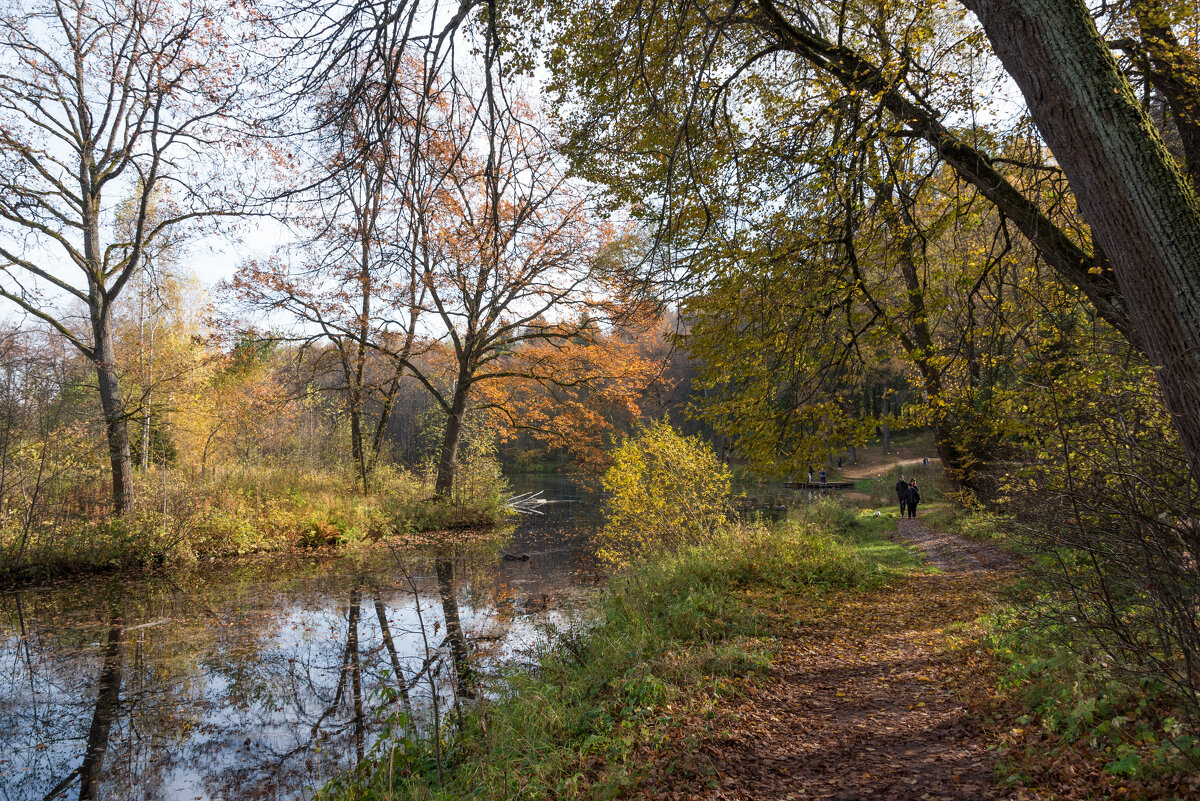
{"x":663,"y":642}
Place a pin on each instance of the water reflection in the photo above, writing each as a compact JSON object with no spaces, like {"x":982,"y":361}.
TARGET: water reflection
{"x":260,"y":679}
{"x":108,"y":701}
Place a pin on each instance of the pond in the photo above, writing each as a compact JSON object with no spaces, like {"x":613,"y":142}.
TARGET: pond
{"x":262,"y":678}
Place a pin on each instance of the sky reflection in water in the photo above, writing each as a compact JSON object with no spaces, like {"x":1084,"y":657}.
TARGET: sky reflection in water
{"x":260,"y":679}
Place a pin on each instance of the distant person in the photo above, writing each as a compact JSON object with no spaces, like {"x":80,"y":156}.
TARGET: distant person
{"x":925,"y":461}
{"x":839,"y":463}
{"x":912,"y":498}
{"x":822,"y":475}
{"x":810,"y":475}
{"x":901,"y":492}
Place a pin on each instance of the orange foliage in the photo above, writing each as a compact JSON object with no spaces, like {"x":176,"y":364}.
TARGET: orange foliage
{"x":580,"y":393}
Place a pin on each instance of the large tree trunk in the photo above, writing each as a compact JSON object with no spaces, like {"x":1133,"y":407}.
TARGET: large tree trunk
{"x":1144,"y":215}
{"x":448,"y":461}
{"x":116,"y":427}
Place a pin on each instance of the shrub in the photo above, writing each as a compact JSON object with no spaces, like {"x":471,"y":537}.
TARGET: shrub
{"x":665,"y":490}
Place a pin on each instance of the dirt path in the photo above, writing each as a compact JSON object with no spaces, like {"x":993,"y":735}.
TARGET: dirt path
{"x":860,"y":703}
{"x":889,"y":468}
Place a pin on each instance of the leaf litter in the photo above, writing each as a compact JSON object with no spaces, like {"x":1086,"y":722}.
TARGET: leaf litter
{"x":864,"y":698}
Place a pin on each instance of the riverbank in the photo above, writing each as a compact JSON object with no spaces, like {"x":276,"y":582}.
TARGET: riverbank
{"x":836,"y":655}
{"x":186,"y":520}
{"x":287,"y":658}
{"x":668,"y":642}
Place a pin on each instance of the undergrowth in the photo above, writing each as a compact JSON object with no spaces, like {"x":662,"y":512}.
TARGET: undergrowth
{"x":180,"y":518}
{"x":664,"y":639}
{"x":1069,"y":708}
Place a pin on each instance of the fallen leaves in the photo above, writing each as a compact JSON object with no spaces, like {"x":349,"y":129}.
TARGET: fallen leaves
{"x":859,"y":702}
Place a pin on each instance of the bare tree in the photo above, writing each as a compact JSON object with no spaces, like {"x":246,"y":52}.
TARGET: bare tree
{"x":353,"y":282}
{"x":447,"y":188}
{"x":512,"y":260}
{"x":100,"y":98}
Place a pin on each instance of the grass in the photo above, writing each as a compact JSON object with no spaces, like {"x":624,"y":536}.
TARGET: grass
{"x":663,"y":642}
{"x":255,"y":511}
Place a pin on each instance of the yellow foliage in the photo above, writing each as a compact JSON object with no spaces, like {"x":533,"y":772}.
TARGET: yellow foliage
{"x":665,"y":490}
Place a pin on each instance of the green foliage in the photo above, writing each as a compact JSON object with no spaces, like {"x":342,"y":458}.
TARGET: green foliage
{"x":663,"y":641}
{"x":1071,"y":694}
{"x":665,"y":490}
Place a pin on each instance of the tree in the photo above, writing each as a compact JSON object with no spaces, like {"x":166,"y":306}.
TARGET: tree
{"x":158,"y":295}
{"x":663,"y":103}
{"x":609,"y":381}
{"x":665,"y":491}
{"x":512,"y":241}
{"x":1144,"y":214}
{"x":353,"y":283}
{"x":96,"y":96}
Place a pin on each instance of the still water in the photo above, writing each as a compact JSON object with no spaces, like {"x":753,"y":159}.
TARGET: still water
{"x":260,"y":679}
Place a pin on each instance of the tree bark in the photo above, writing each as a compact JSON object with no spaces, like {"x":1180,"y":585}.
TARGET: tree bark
{"x":448,"y":461}
{"x":1143,"y":212}
{"x":115,"y":423}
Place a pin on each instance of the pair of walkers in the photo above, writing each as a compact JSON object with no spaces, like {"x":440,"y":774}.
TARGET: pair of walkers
{"x":908,"y":496}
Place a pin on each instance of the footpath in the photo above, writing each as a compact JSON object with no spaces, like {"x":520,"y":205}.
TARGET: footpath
{"x":861,"y":702}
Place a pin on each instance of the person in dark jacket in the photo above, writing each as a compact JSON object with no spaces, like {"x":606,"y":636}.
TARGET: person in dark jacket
{"x":912,"y":498}
{"x":901,"y":492}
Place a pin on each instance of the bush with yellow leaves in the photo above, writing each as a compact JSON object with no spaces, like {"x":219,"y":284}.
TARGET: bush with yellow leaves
{"x":665,"y":490}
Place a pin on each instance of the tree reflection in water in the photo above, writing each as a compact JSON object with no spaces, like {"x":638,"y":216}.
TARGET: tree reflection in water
{"x":252,"y":682}
{"x":108,"y":701}
{"x":464,"y":677}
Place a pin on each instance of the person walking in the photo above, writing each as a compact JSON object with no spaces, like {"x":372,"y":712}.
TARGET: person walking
{"x":822,"y":475}
{"x":912,"y":498}
{"x":901,"y":491}
{"x":810,"y":475}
